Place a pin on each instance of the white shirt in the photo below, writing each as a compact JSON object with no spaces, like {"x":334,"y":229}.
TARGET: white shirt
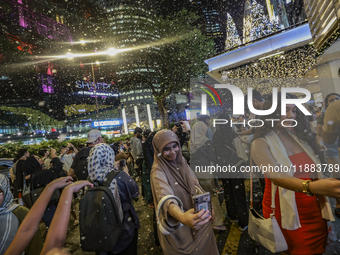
{"x":67,"y":160}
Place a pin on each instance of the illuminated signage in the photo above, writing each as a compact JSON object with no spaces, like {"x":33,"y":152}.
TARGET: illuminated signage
{"x":91,"y":93}
{"x":99,"y":85}
{"x":113,"y":132}
{"x":106,"y":123}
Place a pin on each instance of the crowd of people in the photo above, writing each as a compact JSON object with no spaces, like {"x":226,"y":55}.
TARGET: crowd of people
{"x":166,"y":163}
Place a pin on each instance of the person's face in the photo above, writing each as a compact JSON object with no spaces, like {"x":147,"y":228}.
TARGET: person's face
{"x":170,"y":151}
{"x":63,"y":150}
{"x":27,"y":154}
{"x":47,"y":153}
{"x":139,"y":135}
{"x":332,"y":99}
{"x":2,"y":196}
{"x":290,"y":114}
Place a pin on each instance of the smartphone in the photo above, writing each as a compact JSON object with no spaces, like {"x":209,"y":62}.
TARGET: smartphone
{"x":202,"y":201}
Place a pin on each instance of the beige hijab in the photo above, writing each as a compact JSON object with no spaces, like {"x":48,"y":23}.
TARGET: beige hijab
{"x":175,"y":171}
{"x":198,"y":136}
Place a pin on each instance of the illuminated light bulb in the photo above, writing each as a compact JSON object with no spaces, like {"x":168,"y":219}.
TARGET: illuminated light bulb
{"x":69,"y":55}
{"x":112,"y":51}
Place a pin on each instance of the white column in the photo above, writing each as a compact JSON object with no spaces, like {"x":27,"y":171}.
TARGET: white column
{"x":204,"y":104}
{"x":150,"y":117}
{"x":137,"y":116}
{"x":124,"y":121}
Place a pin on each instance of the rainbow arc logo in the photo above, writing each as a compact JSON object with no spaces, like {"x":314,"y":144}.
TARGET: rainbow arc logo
{"x":209,"y":93}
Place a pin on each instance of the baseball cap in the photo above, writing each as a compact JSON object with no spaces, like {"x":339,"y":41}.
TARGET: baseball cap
{"x":93,"y":135}
{"x":257,"y":95}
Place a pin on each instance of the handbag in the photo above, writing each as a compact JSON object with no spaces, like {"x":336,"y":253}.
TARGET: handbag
{"x":265,"y":231}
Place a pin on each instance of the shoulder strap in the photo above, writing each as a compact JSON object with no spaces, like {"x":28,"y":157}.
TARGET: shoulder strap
{"x":110,"y":177}
{"x":230,"y":148}
{"x":273,"y":191}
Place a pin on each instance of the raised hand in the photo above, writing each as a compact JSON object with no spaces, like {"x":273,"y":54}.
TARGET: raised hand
{"x":60,"y":182}
{"x":76,"y":186}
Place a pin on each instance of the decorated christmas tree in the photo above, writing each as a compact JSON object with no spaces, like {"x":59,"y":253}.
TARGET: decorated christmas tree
{"x":256,"y":23}
{"x":233,"y":39}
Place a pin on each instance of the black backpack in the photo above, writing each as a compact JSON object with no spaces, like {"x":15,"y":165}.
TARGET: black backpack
{"x":100,"y":224}
{"x":81,"y":168}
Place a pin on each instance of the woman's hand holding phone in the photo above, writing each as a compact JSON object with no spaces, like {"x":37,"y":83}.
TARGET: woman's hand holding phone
{"x":195,"y":220}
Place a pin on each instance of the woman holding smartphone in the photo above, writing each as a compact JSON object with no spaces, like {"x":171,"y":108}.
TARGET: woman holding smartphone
{"x":171,"y":175}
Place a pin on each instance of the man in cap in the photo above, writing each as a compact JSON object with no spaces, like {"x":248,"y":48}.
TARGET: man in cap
{"x":79,"y":166}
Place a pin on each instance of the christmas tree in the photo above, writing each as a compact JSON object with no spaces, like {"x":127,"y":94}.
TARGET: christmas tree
{"x":256,"y":23}
{"x":233,"y":39}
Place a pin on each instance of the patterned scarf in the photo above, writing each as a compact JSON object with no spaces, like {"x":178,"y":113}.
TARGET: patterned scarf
{"x":100,"y":164}
{"x":7,"y":205}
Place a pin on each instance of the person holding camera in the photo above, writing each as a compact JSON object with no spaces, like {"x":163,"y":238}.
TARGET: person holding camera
{"x":67,"y":158}
{"x":171,"y":175}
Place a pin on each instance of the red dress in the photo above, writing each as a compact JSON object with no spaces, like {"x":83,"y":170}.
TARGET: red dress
{"x":311,"y":238}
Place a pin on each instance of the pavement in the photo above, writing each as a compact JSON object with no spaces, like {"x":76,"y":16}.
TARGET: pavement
{"x":231,"y":241}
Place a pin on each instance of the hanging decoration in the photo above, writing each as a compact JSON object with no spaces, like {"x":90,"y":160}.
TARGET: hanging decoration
{"x":233,"y":39}
{"x":256,"y":23}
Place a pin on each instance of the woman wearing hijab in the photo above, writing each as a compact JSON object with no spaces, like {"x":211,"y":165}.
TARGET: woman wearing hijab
{"x":230,"y":152}
{"x":171,"y":175}
{"x":201,"y":157}
{"x":100,"y":164}
{"x":11,"y":216}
